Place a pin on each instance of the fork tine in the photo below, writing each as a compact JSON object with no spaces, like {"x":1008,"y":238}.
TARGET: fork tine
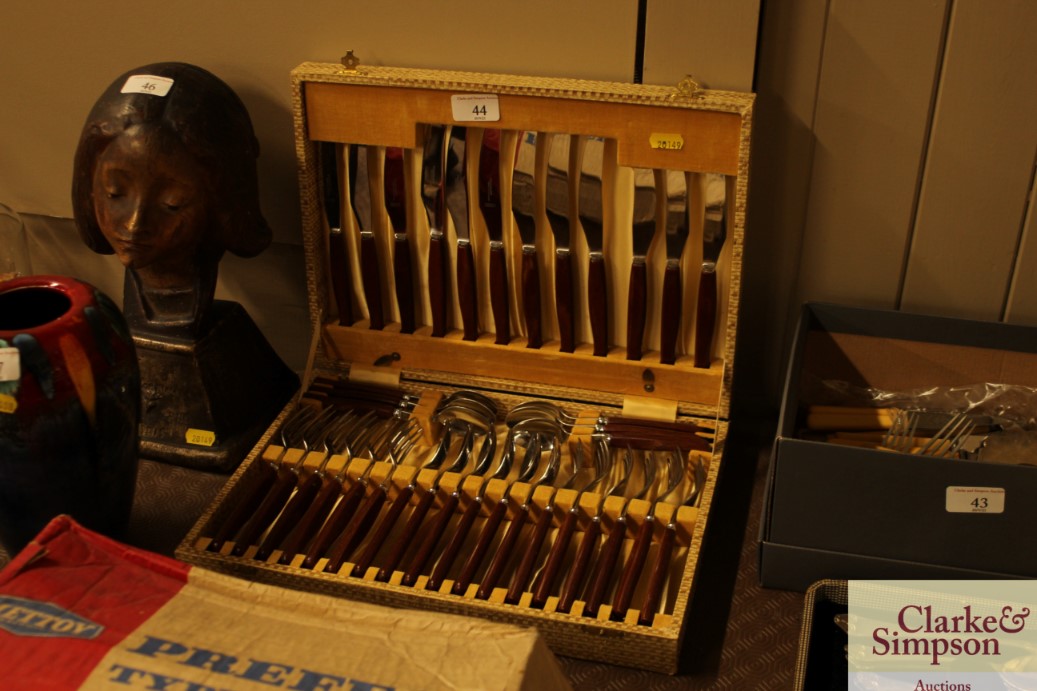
{"x":912,"y":431}
{"x":953,"y":444}
{"x":953,"y":439}
{"x":892,"y":438}
{"x":405,"y":442}
{"x":948,"y":436}
{"x":901,"y":434}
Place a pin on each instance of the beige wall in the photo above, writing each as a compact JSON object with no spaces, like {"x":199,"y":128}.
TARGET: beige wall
{"x":893,"y":153}
{"x":893,"y":165}
{"x":57,"y":57}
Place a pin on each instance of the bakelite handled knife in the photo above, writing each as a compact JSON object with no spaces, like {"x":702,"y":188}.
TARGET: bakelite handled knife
{"x":523,"y":204}
{"x":714,"y":232}
{"x":432,"y":194}
{"x":396,"y":206}
{"x":360,"y":198}
{"x":338,"y":256}
{"x":676,"y":236}
{"x":490,"y":206}
{"x":457,"y":203}
{"x":592,"y":219}
{"x":643,"y":230}
{"x":557,"y":202}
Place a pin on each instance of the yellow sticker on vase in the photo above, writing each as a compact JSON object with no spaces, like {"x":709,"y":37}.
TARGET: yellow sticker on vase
{"x":200,"y":437}
{"x":8,"y":404}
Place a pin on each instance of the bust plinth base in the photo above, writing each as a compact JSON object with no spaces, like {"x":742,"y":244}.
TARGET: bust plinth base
{"x":226,"y":388}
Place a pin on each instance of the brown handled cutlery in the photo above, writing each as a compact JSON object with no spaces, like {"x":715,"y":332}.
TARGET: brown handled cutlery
{"x":490,"y":206}
{"x":676,"y":236}
{"x":608,"y":555}
{"x":560,"y":547}
{"x":643,"y":231}
{"x":643,"y":541}
{"x":531,"y":460}
{"x":269,"y":471}
{"x":283,"y":533}
{"x":428,"y":496}
{"x":360,"y":199}
{"x":338,"y":256}
{"x":433,"y":168}
{"x":557,"y":202}
{"x":592,"y":220}
{"x":714,"y":232}
{"x":464,"y":525}
{"x":523,"y":204}
{"x":456,"y":191}
{"x":507,"y":546}
{"x":661,"y":567}
{"x":573,"y":581}
{"x":396,"y":206}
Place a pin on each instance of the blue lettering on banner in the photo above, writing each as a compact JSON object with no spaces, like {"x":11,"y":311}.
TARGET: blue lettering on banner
{"x":33,"y":618}
{"x":267,"y":673}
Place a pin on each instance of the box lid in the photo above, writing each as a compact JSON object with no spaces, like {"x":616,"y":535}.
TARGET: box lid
{"x":390,"y":107}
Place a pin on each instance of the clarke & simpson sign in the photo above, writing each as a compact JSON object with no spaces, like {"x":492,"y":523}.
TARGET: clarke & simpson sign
{"x":942,"y":635}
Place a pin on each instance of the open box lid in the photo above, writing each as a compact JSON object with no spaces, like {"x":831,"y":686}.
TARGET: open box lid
{"x":389,"y":107}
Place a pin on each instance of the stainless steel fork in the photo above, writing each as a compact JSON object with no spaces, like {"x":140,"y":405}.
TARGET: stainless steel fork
{"x":903,"y":435}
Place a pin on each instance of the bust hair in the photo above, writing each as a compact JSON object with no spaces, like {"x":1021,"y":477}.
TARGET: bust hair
{"x":212,"y":123}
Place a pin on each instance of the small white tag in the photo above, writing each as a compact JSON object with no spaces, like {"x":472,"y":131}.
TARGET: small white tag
{"x":975,"y":500}
{"x":147,"y":84}
{"x":475,"y":107}
{"x":10,"y":364}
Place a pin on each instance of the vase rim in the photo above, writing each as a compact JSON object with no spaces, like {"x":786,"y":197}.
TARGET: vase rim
{"x":78,"y":293}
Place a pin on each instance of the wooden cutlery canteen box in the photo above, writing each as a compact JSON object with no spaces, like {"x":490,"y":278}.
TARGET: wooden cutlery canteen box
{"x":524,"y":294}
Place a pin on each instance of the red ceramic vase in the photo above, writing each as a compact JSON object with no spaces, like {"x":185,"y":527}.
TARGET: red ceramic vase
{"x":69,"y":408}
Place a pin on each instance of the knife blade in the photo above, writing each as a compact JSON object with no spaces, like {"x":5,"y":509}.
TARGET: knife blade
{"x":457,"y":205}
{"x":592,"y":221}
{"x":338,"y":256}
{"x":396,"y":205}
{"x":643,"y":230}
{"x":714,"y":233}
{"x":557,"y":202}
{"x":490,"y":206}
{"x":360,"y":199}
{"x":433,"y":167}
{"x":676,"y":237}
{"x":523,"y":204}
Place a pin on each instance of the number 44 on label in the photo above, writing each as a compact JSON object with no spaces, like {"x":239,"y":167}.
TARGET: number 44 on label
{"x":475,"y":107}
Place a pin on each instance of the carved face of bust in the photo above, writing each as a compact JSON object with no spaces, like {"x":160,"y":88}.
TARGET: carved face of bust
{"x":152,"y":204}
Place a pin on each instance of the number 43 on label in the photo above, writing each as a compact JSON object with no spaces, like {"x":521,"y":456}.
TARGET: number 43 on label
{"x":975,"y":500}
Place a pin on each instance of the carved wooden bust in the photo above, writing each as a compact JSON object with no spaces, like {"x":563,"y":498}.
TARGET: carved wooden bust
{"x":165,"y":177}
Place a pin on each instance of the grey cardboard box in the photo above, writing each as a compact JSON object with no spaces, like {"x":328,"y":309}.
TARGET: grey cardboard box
{"x":840,"y":512}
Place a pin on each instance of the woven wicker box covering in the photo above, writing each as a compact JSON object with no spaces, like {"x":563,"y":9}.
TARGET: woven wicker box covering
{"x":388,"y":107}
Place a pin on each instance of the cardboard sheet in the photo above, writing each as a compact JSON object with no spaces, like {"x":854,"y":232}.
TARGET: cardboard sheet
{"x":78,"y":610}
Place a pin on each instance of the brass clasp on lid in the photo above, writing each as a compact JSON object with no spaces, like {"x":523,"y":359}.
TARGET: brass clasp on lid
{"x":351,"y":62}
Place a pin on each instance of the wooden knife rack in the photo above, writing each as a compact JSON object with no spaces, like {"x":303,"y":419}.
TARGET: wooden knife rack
{"x":381,"y":107}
